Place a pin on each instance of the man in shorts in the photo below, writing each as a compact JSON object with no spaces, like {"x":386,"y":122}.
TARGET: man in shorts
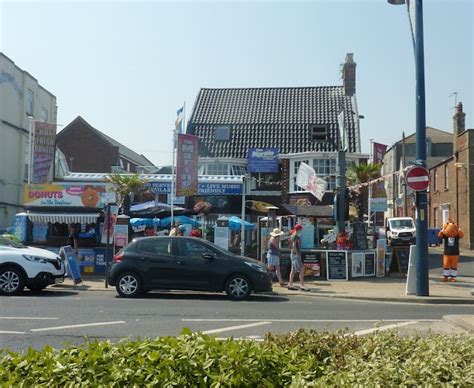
{"x":296,"y":263}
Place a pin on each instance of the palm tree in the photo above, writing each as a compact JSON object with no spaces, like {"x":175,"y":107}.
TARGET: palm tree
{"x":126,"y":186}
{"x":357,"y":174}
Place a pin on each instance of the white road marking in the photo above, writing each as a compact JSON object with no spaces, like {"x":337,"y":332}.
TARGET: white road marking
{"x":12,"y":332}
{"x":230,"y":328}
{"x":304,"y":320}
{"x":78,"y":326}
{"x":29,"y":318}
{"x":382,"y":328}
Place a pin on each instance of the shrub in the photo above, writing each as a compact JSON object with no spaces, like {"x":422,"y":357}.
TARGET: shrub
{"x":304,"y":358}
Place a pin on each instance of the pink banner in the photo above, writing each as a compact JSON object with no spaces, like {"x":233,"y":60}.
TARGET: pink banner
{"x":43,"y":150}
{"x":187,"y":165}
{"x":379,"y":152}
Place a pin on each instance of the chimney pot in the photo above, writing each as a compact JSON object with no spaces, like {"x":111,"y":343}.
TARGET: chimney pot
{"x":349,"y":75}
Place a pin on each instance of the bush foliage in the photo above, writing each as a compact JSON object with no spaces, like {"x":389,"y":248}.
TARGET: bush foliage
{"x":304,"y":358}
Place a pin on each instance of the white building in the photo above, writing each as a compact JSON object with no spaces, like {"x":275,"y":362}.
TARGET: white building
{"x":21,"y":96}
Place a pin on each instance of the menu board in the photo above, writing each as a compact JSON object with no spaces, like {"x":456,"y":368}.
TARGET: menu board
{"x":359,"y":236}
{"x":336,"y":262}
{"x":70,"y":260}
{"x":369,"y":265}
{"x":312,"y":264}
{"x":403,"y":257}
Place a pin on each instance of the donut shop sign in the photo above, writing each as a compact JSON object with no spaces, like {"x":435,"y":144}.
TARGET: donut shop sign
{"x":67,"y":194}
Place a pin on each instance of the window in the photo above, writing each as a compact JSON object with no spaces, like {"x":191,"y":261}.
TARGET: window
{"x":44,"y":115}
{"x":239,"y":170}
{"x":318,"y":133}
{"x":217,"y":169}
{"x":156,"y":246}
{"x":435,"y":180}
{"x":446,"y":177}
{"x":195,"y":248}
{"x":30,"y":102}
{"x":222,"y":133}
{"x":435,"y":217}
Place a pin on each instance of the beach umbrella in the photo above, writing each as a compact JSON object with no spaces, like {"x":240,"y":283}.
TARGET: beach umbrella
{"x":165,"y":222}
{"x":235,"y":223}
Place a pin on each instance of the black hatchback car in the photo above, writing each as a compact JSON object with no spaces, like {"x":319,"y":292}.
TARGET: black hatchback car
{"x":185,"y":263}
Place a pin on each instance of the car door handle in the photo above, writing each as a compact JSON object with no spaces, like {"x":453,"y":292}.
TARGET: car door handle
{"x":143,"y":259}
{"x":180,"y":262}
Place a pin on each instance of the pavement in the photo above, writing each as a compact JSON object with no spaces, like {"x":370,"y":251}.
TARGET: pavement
{"x":387,"y":289}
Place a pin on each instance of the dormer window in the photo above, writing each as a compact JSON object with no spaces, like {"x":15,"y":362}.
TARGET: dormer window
{"x":222,"y":133}
{"x":318,"y":133}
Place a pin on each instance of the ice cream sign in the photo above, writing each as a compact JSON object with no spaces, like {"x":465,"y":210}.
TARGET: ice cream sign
{"x":65,"y":194}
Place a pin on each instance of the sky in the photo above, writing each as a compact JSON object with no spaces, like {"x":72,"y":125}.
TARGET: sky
{"x":127,"y":66}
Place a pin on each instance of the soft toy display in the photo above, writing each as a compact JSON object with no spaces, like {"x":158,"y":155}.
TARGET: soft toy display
{"x":450,"y":235}
{"x":343,"y":242}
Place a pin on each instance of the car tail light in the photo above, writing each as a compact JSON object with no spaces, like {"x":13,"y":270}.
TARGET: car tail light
{"x":118,"y":257}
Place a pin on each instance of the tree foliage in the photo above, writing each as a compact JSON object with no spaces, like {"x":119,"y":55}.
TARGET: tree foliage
{"x":126,"y":186}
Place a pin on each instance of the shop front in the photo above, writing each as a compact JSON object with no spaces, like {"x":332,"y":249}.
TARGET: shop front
{"x":59,"y":213}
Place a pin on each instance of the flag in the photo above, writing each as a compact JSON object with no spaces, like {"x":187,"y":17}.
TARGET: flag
{"x":187,"y":171}
{"x":308,"y":180}
{"x":179,"y":120}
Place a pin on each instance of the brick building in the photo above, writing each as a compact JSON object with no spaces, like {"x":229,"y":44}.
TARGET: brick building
{"x":452,"y":183}
{"x":89,"y":150}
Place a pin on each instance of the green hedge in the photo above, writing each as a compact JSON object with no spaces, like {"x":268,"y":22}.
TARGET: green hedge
{"x":304,"y":358}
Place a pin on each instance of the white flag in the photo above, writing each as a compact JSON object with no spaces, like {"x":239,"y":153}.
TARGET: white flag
{"x":307,"y":179}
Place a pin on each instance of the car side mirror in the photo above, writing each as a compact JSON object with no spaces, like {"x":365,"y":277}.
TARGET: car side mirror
{"x":208,"y":256}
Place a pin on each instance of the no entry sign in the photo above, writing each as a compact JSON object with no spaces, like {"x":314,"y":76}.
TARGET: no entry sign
{"x":417,"y":178}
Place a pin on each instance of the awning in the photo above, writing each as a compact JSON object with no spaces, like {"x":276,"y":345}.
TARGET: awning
{"x":64,"y":218}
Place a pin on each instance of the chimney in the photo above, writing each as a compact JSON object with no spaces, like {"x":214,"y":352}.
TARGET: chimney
{"x":459,"y":125}
{"x":349,"y":75}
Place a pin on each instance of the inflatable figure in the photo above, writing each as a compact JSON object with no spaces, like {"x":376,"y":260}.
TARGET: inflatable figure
{"x":450,"y":235}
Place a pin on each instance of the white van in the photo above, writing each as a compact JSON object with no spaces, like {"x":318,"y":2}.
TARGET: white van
{"x":400,"y":231}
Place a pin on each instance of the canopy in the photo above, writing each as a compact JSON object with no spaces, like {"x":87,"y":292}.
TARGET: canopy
{"x":152,"y":208}
{"x":165,"y":222}
{"x":145,"y":222}
{"x":235,"y":223}
{"x":64,"y":218}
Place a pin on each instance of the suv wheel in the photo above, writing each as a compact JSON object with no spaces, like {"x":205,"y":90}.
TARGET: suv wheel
{"x":12,"y":281}
{"x":129,"y":285}
{"x":238,"y":287}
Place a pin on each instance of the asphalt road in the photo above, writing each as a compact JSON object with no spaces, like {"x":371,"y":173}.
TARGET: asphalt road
{"x":58,"y":317}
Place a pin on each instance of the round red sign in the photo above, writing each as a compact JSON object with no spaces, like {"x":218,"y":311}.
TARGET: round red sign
{"x":417,"y":178}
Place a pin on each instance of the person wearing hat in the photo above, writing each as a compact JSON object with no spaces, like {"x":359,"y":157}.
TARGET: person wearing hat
{"x":273,"y":255}
{"x":295,"y":255}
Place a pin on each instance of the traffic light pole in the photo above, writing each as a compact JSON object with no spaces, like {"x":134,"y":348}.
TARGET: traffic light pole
{"x":421,"y":250}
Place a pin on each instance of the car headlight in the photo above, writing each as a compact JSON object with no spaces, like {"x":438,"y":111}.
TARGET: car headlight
{"x":395,"y":234}
{"x":256,"y":267}
{"x":36,"y":259}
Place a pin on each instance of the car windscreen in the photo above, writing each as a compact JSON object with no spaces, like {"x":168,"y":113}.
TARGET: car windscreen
{"x":402,"y":224}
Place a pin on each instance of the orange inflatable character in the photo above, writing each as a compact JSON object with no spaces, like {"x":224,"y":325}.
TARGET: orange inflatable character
{"x":450,"y":235}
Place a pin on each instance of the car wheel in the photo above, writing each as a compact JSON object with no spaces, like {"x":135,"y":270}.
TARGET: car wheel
{"x":12,"y":281}
{"x":238,"y":287}
{"x":129,"y":285}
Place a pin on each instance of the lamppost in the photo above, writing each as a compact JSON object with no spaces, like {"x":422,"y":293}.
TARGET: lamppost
{"x":421,"y":250}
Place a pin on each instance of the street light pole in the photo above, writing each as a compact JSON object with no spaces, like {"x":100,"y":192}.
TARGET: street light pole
{"x":421,"y":249}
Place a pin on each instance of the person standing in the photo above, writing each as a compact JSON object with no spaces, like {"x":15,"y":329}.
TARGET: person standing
{"x":273,"y":255}
{"x":296,"y":263}
{"x":73,"y":238}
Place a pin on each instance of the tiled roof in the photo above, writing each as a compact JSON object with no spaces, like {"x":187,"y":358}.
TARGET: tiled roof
{"x":270,"y":117}
{"x":126,"y":152}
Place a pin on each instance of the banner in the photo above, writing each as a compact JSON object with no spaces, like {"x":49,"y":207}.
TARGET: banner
{"x":307,"y":179}
{"x":110,"y":225}
{"x":68,"y":194}
{"x":263,"y":160}
{"x":120,"y":235}
{"x":379,"y":152}
{"x":187,"y":165}
{"x":43,"y":150}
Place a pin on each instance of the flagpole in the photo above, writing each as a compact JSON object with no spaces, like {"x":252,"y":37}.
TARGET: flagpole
{"x":173,"y":179}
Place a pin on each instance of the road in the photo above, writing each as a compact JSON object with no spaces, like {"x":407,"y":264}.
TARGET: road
{"x":55,"y":317}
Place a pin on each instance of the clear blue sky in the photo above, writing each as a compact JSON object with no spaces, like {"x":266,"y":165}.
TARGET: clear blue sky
{"x":127,"y":66}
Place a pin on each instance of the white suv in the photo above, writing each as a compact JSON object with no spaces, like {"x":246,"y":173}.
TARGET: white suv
{"x":22,"y":266}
